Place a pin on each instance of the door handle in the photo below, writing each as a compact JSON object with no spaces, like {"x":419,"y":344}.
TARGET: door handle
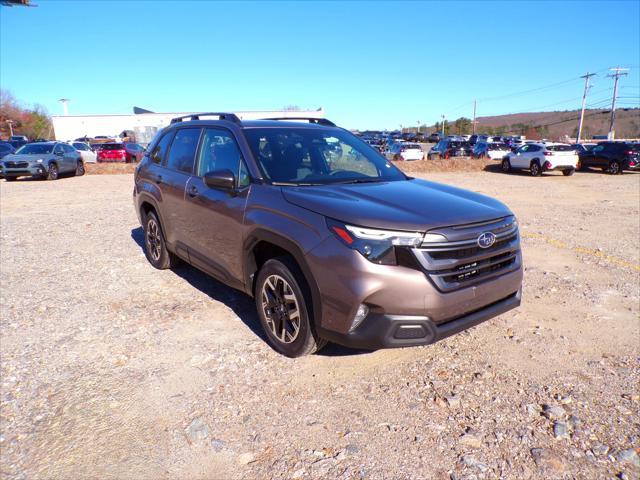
{"x":193,"y":191}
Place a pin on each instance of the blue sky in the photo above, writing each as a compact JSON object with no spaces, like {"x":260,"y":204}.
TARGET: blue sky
{"x":369,"y":64}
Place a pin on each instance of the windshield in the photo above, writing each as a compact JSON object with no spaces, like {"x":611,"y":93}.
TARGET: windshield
{"x":35,"y":149}
{"x":317,"y":156}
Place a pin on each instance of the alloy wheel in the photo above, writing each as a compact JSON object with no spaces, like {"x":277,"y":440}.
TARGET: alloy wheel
{"x":280,"y":307}
{"x":154,"y":245}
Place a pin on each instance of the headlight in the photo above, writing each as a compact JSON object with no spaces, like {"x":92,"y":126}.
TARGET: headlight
{"x":377,"y":246}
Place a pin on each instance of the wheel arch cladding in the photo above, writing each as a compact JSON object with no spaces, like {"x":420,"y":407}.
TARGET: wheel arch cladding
{"x":263,"y":245}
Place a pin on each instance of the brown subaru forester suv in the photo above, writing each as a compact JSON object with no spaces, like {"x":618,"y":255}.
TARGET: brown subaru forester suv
{"x":333,"y":241}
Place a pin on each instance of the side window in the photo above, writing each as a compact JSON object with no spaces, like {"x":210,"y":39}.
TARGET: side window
{"x":160,"y":150}
{"x":68,"y":148}
{"x":58,"y":150}
{"x":183,"y":149}
{"x":219,"y":151}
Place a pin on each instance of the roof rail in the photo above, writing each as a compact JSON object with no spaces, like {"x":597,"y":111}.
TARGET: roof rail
{"x":319,"y":121}
{"x":232,"y":117}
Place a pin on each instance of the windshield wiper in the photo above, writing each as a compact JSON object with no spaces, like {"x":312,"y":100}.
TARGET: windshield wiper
{"x":294,"y":184}
{"x":360,"y":180}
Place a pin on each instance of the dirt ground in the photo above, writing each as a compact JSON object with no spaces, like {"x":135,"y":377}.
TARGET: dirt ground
{"x":111,"y":369}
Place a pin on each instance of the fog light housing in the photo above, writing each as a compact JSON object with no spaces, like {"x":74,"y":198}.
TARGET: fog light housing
{"x":361,"y":314}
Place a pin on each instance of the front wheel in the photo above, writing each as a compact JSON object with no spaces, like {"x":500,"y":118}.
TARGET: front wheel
{"x":284,"y":309}
{"x":506,"y":165}
{"x":568,"y":172}
{"x":79,"y":168}
{"x":52,"y":172}
{"x":535,"y":169}
{"x":11,"y":179}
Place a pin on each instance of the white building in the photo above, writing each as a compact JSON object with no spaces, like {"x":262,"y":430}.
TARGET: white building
{"x":144,"y":125}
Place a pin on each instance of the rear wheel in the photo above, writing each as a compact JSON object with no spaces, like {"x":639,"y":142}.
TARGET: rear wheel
{"x":506,"y":165}
{"x":568,"y":172}
{"x":535,"y":169}
{"x":52,"y":172}
{"x":11,"y":179}
{"x":155,"y":247}
{"x":80,"y":168}
{"x":284,"y":307}
{"x":614,"y":168}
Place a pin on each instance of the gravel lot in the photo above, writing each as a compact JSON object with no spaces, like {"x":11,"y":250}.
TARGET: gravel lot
{"x":111,"y":369}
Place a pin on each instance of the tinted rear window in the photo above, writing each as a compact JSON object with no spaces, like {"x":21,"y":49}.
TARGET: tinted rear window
{"x":112,"y":146}
{"x":498,"y":146}
{"x":559,"y":148}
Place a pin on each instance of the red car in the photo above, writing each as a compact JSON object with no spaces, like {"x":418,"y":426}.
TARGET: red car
{"x":120,"y":152}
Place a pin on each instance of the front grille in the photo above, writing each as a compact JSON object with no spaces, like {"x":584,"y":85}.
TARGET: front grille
{"x":10,"y":164}
{"x":461,"y":262}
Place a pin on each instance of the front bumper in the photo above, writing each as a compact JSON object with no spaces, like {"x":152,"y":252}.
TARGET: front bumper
{"x":393,"y":331}
{"x":398,"y":295}
{"x":28,"y":171}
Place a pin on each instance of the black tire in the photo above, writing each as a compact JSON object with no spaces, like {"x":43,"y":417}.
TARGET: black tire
{"x":276,"y":277}
{"x":155,"y":247}
{"x":535,"y":169}
{"x":568,"y":172}
{"x":79,"y":168}
{"x":506,"y":165}
{"x":52,"y":172}
{"x":614,"y":168}
{"x":11,"y":179}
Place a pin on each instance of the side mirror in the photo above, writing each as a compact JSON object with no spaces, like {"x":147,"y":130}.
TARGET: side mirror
{"x":221,"y":179}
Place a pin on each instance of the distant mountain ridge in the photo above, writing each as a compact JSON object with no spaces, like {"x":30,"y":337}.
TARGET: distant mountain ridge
{"x":555,"y":125}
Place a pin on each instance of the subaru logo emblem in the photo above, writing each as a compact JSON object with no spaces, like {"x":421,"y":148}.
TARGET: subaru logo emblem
{"x":486,"y":240}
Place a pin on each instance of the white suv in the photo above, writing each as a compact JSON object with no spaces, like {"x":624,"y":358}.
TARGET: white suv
{"x":542,"y":157}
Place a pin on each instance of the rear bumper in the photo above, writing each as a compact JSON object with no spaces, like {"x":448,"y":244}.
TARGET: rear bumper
{"x":393,"y":331}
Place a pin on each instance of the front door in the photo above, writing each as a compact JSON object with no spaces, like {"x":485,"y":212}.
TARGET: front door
{"x":215,"y":219}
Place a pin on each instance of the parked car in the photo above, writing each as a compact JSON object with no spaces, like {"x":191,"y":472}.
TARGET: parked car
{"x":18,"y":140}
{"x":87,"y":154}
{"x":5,"y":149}
{"x":405,"y":151}
{"x":611,"y":157}
{"x":448,"y":148}
{"x":493,"y":151}
{"x":583,"y":147}
{"x":542,"y":157}
{"x":42,"y":160}
{"x":120,"y":152}
{"x":434,"y":137}
{"x":349,"y":250}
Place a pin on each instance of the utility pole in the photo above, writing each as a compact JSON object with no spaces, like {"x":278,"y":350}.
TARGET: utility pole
{"x":474,"y":117}
{"x":10,"y":123}
{"x":443,"y":117}
{"x":584,"y":102}
{"x":618,"y":72}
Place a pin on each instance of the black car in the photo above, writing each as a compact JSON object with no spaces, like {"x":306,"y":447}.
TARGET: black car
{"x":448,"y":148}
{"x":611,"y":157}
{"x":6,"y":148}
{"x":433,"y":138}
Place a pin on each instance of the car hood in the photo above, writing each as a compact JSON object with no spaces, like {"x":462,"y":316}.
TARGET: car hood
{"x":25,"y":158}
{"x":414,"y":204}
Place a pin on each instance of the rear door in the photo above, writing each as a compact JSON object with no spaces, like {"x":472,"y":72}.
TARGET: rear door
{"x":174,"y":175}
{"x":70,"y":157}
{"x":59,"y":156}
{"x":215,"y":217}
